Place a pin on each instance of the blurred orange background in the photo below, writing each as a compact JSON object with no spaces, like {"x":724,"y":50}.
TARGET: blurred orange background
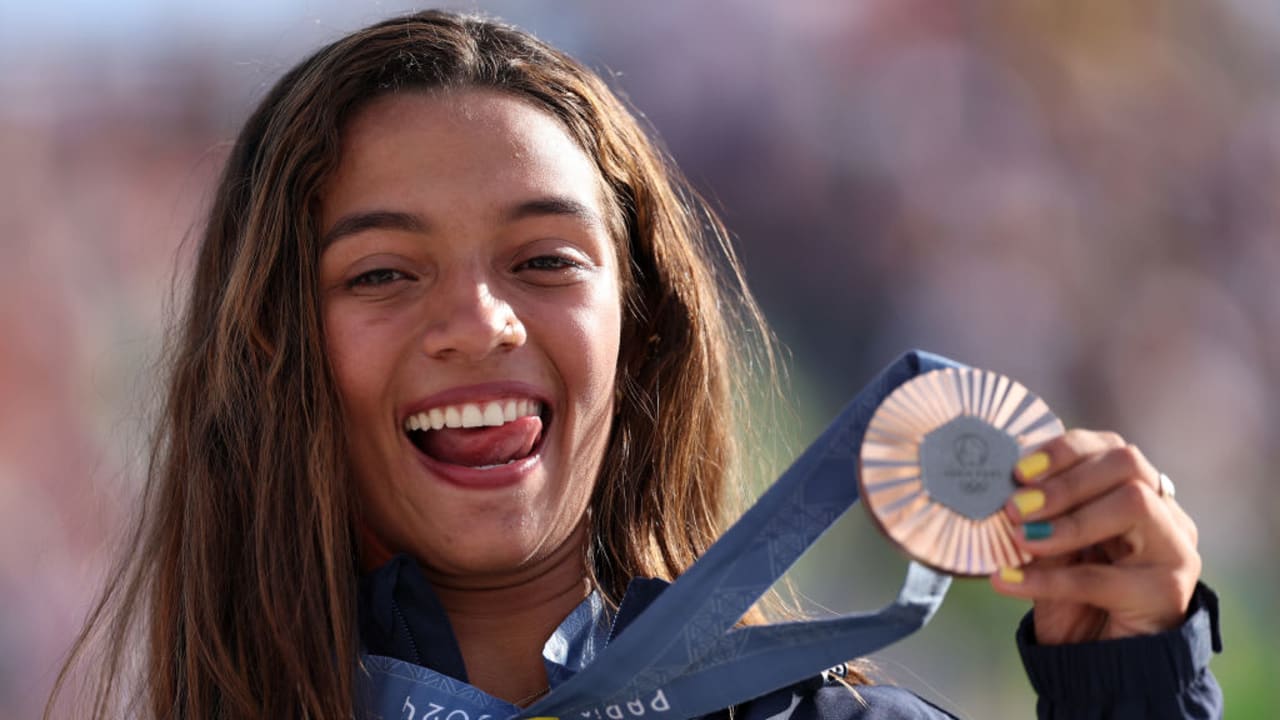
{"x":1084,"y":195}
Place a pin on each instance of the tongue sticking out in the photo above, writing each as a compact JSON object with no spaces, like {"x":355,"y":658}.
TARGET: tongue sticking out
{"x":482,"y":446}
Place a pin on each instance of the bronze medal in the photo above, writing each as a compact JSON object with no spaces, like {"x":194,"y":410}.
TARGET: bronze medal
{"x":937,"y":461}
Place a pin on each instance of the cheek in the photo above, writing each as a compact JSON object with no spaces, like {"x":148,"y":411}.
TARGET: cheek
{"x":362,"y":355}
{"x":582,"y":344}
{"x":597,"y":330}
{"x":341,"y":338}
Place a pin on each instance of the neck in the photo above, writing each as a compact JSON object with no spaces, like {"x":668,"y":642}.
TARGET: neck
{"x":501,"y":623}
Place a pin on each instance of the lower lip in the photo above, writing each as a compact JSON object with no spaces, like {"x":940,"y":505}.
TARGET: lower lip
{"x":498,"y":476}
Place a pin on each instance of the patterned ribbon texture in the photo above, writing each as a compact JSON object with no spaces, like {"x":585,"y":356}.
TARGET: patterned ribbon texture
{"x":682,"y":657}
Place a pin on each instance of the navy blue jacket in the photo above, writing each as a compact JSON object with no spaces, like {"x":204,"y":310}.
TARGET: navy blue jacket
{"x":1156,"y":676}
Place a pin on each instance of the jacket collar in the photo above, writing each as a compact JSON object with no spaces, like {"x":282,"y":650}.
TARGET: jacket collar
{"x":401,"y":617}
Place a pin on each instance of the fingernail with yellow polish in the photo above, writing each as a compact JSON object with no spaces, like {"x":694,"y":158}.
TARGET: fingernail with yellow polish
{"x":1028,"y":501}
{"x":1012,"y":576}
{"x":1033,"y":465}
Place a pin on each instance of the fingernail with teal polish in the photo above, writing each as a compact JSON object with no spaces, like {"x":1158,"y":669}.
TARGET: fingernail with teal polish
{"x":1037,"y":530}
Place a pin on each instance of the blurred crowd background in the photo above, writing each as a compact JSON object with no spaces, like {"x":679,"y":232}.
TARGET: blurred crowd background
{"x":1084,"y":195}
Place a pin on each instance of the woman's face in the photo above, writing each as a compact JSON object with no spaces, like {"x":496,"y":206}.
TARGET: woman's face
{"x":472,"y":316}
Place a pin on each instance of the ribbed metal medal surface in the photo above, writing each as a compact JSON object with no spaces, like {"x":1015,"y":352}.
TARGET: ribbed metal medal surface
{"x":937,"y":466}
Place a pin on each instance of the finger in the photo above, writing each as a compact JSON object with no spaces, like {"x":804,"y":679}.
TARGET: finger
{"x":1145,"y":599}
{"x":1135,"y":524}
{"x":1064,"y":452}
{"x":1185,"y":524}
{"x":1090,"y":477}
{"x":1180,"y":516}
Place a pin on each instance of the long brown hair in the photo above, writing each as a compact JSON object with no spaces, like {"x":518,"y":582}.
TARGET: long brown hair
{"x":240,"y":579}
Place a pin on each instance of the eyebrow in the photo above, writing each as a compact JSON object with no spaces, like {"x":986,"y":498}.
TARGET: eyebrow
{"x":394,"y":220}
{"x":372,"y":220}
{"x":554,"y":205}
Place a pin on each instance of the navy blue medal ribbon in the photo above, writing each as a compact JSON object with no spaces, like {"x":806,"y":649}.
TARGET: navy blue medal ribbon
{"x":682,"y":657}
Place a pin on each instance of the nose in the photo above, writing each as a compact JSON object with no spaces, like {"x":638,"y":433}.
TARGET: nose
{"x":468,"y":321}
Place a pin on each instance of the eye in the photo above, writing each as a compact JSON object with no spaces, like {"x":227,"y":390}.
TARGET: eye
{"x":550,"y":263}
{"x":376,"y":278}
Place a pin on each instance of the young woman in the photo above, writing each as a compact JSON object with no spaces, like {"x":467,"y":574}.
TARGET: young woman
{"x":456,"y":331}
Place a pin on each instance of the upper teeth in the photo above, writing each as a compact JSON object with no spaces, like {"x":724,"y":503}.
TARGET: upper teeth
{"x":469,"y":415}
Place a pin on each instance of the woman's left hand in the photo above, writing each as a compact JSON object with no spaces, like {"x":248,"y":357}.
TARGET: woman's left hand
{"x":1114,"y":555}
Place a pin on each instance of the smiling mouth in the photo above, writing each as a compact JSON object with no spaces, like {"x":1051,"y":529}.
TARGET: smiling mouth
{"x":479,"y":435}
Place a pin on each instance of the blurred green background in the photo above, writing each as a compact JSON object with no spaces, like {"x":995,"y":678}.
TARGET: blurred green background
{"x":1084,"y":195}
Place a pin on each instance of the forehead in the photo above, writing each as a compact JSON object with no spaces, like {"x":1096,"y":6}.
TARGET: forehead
{"x":405,"y":146}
